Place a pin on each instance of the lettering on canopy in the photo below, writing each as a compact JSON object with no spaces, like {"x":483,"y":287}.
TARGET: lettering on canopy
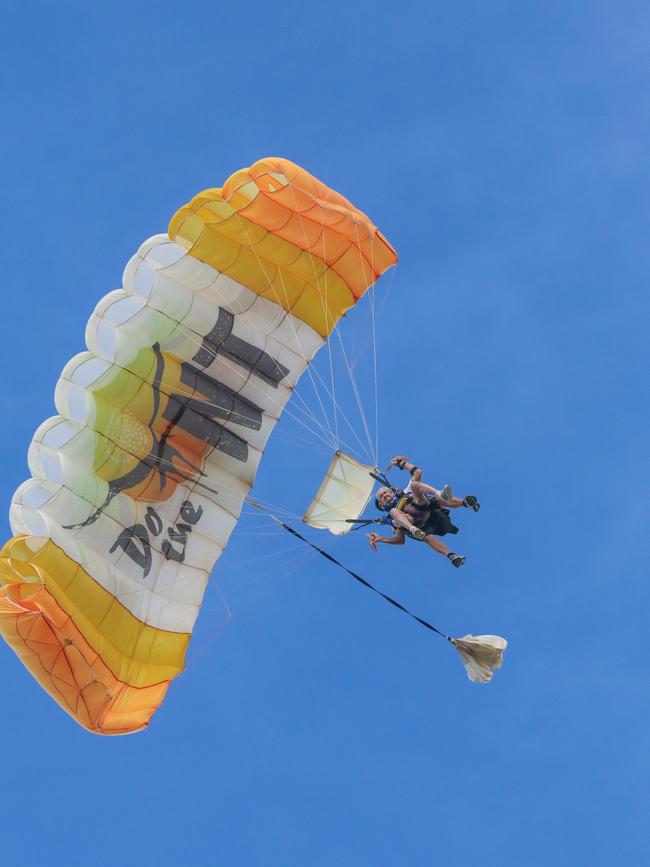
{"x":136,"y":544}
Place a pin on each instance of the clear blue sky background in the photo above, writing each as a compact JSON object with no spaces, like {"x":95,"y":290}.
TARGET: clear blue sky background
{"x":503,"y":148}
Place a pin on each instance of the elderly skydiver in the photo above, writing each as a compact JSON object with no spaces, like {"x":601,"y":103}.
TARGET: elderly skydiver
{"x":420,"y":510}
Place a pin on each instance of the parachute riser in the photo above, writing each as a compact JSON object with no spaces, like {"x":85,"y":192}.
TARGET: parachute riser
{"x":381,"y":478}
{"x":365,"y":522}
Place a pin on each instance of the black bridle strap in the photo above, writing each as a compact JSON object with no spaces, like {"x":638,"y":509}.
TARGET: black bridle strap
{"x":354,"y":575}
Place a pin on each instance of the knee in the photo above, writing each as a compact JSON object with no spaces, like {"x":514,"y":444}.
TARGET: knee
{"x":416,"y":487}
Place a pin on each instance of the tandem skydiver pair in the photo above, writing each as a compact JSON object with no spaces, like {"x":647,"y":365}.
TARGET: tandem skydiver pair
{"x":420,"y":511}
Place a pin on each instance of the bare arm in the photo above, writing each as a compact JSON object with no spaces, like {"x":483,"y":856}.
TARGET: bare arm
{"x":404,"y":464}
{"x":397,"y":539}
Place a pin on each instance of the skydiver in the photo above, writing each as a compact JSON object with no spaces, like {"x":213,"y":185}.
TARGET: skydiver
{"x":420,"y":510}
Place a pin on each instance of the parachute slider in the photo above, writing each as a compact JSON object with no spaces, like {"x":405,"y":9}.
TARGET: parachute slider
{"x":342,"y":496}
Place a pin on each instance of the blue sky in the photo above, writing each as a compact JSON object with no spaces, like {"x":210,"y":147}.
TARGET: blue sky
{"x":502,"y":148}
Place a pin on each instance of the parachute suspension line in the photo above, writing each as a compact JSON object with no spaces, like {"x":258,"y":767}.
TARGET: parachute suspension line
{"x":364,"y":448}
{"x":324,"y":304}
{"x":329,"y":432}
{"x":238,"y":417}
{"x":371,"y":454}
{"x":306,"y":409}
{"x":354,"y":575}
{"x":370,"y":290}
{"x":326,"y":438}
{"x":253,"y":591}
{"x":172,"y":469}
{"x":288,"y":309}
{"x":330,"y":439}
{"x":267,"y":572}
{"x":284,"y":513}
{"x":249,"y":561}
{"x":295,"y":440}
{"x":372,"y":298}
{"x":309,"y":415}
{"x":363,"y":345}
{"x":355,"y":389}
{"x":328,"y":317}
{"x":329,"y":345}
{"x":481,"y":654}
{"x":334,"y":435}
{"x":327,"y":443}
{"x":223,"y":600}
{"x":308,"y":366}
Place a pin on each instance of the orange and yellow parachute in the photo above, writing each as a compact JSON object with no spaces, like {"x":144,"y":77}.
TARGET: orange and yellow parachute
{"x":139,"y":480}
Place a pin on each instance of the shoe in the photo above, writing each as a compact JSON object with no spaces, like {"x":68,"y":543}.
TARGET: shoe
{"x":417,"y":533}
{"x":470,"y":502}
{"x":446,"y":492}
{"x":457,"y":560}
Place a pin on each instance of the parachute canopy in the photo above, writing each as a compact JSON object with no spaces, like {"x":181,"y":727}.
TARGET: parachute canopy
{"x":139,"y":480}
{"x":343,"y":495}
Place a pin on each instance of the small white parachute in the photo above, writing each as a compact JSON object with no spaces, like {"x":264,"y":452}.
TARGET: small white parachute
{"x":343,"y":495}
{"x":481,"y":655}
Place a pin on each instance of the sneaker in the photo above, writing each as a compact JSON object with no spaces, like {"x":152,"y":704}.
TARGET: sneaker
{"x":457,"y":560}
{"x":446,"y":492}
{"x":417,"y":533}
{"x":470,"y":502}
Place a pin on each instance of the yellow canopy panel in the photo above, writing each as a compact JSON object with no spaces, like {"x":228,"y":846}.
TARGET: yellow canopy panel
{"x":344,"y":494}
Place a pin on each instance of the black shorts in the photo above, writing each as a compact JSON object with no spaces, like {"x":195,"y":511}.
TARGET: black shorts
{"x":438,"y":523}
{"x":430,"y":518}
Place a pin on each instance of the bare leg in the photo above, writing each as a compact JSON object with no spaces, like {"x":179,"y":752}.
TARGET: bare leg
{"x":422,"y":488}
{"x":436,"y":544}
{"x":419,"y":491}
{"x":427,"y":489}
{"x":399,"y":519}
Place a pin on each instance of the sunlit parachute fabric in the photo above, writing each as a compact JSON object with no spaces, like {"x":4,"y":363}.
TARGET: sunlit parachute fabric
{"x":139,"y":481}
{"x":343,"y":495}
